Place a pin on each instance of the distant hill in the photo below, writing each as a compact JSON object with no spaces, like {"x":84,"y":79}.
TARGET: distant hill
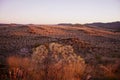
{"x":115,"y":26}
{"x":1,"y":24}
{"x":10,"y":25}
{"x":70,"y":24}
{"x":65,"y":24}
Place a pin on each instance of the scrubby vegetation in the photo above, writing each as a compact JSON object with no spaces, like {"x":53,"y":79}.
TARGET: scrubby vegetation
{"x":58,"y":62}
{"x":48,"y":62}
{"x":40,"y":52}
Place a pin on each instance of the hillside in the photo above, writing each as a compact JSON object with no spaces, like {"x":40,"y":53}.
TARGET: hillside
{"x":82,"y":51}
{"x":114,"y":26}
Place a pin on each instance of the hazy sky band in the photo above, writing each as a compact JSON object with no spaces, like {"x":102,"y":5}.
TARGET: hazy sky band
{"x":59,"y":11}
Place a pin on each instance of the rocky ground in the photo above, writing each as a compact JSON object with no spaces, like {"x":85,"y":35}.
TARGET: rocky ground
{"x":98,"y":48}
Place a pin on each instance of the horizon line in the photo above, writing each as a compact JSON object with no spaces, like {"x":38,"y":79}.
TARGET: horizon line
{"x":56,"y":23}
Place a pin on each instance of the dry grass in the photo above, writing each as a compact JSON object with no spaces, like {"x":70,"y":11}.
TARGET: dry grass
{"x":47,"y":31}
{"x":18,"y":68}
{"x":48,"y":62}
{"x":59,"y":60}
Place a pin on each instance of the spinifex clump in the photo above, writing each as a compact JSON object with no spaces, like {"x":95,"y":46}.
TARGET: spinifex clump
{"x":57,"y":62}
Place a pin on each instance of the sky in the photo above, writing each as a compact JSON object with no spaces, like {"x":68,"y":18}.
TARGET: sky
{"x":59,"y":11}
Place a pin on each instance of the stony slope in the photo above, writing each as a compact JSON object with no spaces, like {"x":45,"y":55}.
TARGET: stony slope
{"x":99,"y":48}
